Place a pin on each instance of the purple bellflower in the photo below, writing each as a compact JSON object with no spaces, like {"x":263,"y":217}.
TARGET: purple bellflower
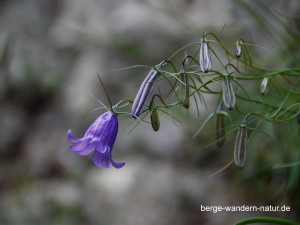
{"x":145,"y":92}
{"x":99,"y":138}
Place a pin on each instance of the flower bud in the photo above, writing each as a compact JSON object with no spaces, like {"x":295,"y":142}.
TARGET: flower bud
{"x":184,"y":90}
{"x":220,"y":127}
{"x":238,"y":50}
{"x":263,"y":86}
{"x":228,"y":92}
{"x":145,"y":92}
{"x":240,"y":145}
{"x":205,"y":56}
{"x":154,"y":117}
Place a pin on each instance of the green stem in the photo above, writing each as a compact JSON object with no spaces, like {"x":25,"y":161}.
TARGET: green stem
{"x":266,"y":220}
{"x":241,"y":60}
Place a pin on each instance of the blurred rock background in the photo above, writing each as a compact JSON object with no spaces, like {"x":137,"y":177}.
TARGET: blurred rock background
{"x":51,"y":52}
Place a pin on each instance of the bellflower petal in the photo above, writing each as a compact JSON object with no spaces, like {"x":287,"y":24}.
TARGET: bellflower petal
{"x":105,"y":159}
{"x":81,"y":148}
{"x":100,"y":138}
{"x":117,"y":165}
{"x":102,"y":159}
{"x":71,"y":137}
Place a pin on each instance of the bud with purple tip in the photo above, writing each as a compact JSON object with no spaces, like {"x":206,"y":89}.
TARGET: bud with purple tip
{"x":228,"y":92}
{"x":263,"y":86}
{"x":145,"y":92}
{"x":205,"y":56}
{"x":238,"y":50}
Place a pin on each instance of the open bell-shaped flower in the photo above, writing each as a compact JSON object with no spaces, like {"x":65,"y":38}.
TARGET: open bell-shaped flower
{"x":99,"y":139}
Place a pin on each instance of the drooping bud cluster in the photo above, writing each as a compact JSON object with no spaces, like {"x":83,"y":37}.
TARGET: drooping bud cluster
{"x":194,"y":80}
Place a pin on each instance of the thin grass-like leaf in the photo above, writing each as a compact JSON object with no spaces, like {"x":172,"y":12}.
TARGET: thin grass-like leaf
{"x":269,"y":220}
{"x":220,"y":127}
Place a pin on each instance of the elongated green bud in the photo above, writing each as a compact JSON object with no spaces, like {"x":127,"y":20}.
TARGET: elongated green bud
{"x":220,"y":127}
{"x":154,"y":117}
{"x":298,"y":118}
{"x":263,"y":86}
{"x":228,"y":92}
{"x":184,"y":91}
{"x":240,"y":145}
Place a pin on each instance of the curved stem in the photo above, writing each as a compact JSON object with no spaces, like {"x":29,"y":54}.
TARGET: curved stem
{"x":271,"y":220}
